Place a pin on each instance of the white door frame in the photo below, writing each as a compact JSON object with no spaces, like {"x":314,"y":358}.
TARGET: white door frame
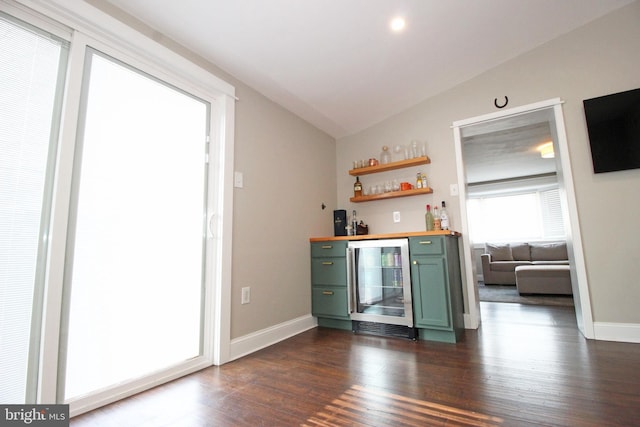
{"x":579,"y":281}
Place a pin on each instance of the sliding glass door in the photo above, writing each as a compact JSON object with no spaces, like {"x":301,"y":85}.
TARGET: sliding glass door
{"x":135,"y":264}
{"x":114,"y":238}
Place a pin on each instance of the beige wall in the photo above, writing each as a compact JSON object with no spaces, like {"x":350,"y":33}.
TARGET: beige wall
{"x":597,"y":59}
{"x":290,"y":168}
{"x":289,"y":171}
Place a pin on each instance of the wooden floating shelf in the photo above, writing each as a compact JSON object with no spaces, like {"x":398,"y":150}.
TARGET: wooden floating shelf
{"x":392,"y":194}
{"x":390,"y":166}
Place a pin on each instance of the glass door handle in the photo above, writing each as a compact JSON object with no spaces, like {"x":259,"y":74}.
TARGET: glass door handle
{"x":212,"y":225}
{"x":415,"y":262}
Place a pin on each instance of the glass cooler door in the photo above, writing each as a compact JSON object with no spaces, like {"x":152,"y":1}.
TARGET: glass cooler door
{"x":379,"y":282}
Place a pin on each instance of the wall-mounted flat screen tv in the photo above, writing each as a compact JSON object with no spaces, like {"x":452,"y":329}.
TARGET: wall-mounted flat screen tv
{"x":613,"y":122}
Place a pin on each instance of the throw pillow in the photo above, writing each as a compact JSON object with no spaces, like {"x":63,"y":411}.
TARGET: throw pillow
{"x":520,"y":252}
{"x":499,"y":252}
{"x":549,"y":252}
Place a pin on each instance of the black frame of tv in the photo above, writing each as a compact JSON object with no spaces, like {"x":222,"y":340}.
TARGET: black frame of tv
{"x":613,"y":123}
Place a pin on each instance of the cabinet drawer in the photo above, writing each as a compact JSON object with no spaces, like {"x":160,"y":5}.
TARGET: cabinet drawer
{"x":329,"y":271}
{"x":330,"y":302}
{"x":427,"y":245}
{"x":325,"y":249}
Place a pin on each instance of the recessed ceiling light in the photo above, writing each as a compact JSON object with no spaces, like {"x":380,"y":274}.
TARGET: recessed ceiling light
{"x":398,"y":24}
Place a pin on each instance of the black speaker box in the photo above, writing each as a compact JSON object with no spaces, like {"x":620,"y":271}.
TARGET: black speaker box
{"x":340,"y":222}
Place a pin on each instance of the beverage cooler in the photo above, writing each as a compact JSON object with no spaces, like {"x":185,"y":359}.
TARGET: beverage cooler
{"x":380,"y":287}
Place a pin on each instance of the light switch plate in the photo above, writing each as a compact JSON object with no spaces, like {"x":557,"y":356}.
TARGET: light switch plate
{"x":396,"y":216}
{"x":453,"y":189}
{"x":238,"y":180}
{"x":246,"y":295}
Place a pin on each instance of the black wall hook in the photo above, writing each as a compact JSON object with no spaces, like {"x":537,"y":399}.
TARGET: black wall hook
{"x":506,"y":101}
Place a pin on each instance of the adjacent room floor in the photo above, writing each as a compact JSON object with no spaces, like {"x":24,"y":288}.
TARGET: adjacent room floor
{"x":509,"y":293}
{"x":526,"y":365}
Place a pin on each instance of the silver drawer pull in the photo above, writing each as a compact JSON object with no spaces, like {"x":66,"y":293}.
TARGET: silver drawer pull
{"x":327,"y":263}
{"x":327,"y":292}
{"x":327,"y":246}
{"x":426,"y":242}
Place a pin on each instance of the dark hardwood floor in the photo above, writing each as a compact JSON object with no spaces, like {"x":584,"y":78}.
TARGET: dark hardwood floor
{"x":526,"y":365}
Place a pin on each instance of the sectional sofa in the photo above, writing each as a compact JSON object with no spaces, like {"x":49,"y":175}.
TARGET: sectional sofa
{"x":533,"y":267}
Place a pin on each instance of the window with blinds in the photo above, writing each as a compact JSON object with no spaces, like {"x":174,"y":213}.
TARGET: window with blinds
{"x":516,"y":216}
{"x":31,"y":62}
{"x":552,"y":223}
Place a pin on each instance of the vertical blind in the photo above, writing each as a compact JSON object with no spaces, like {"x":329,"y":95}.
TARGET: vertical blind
{"x":30,"y":63}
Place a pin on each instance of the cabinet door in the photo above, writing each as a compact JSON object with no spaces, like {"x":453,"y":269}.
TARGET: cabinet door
{"x":430,"y":292}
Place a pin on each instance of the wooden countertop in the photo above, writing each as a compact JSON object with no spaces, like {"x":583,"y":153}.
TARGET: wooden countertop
{"x":387,"y":236}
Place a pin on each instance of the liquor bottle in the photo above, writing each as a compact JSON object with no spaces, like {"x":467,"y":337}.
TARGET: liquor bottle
{"x":424,"y":180}
{"x":436,"y":219}
{"x":428,"y":219}
{"x":419,"y":180}
{"x":357,"y":188}
{"x":444,"y":217}
{"x":354,"y":223}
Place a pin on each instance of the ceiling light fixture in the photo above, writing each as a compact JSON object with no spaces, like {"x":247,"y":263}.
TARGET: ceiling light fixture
{"x":398,"y":24}
{"x":546,"y":150}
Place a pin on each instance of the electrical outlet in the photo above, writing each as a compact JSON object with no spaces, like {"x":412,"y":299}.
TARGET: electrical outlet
{"x":396,"y":216}
{"x":246,"y":295}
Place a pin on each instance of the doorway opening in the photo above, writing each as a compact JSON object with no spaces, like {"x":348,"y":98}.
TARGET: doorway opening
{"x":500,"y":154}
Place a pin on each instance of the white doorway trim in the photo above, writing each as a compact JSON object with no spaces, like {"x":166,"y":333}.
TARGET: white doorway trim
{"x":570,"y":210}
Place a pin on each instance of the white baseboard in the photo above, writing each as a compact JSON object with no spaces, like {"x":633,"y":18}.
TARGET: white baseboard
{"x":469,"y":323}
{"x":258,"y":340}
{"x":622,"y":332}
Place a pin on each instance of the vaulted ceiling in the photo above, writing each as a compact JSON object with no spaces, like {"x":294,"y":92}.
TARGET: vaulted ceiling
{"x":337,"y":64}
